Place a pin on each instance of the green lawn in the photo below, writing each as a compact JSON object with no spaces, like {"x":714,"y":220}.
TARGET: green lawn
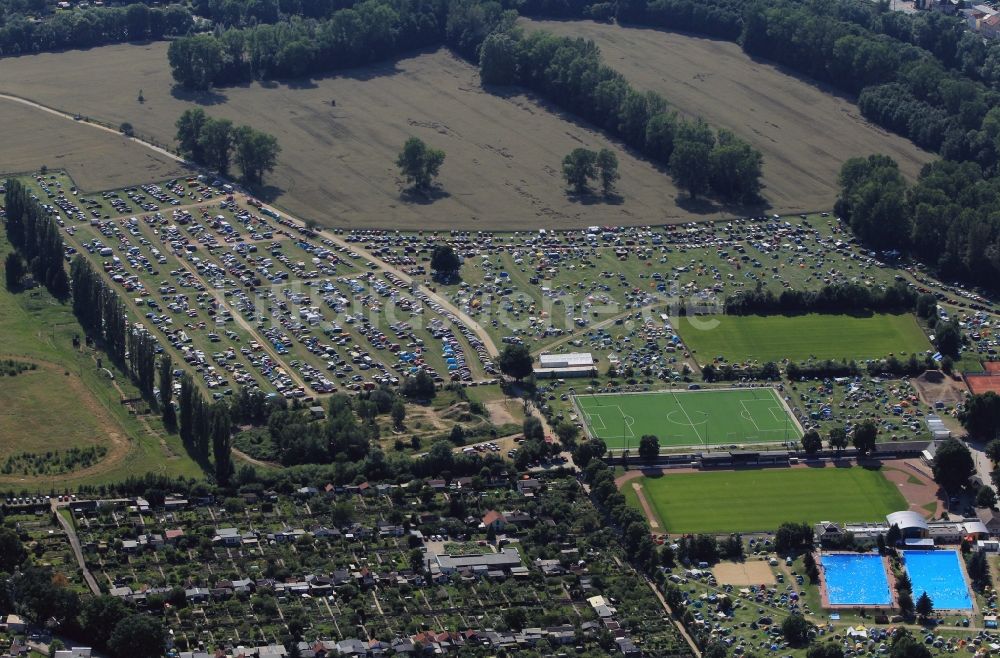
{"x":61,"y":411}
{"x":765,"y":338}
{"x":57,"y":422}
{"x":689,"y":418}
{"x":761,"y":500}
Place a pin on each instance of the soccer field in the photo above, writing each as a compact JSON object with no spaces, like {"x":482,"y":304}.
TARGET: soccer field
{"x":688,"y":418}
{"x":764,"y":338}
{"x":760,"y":500}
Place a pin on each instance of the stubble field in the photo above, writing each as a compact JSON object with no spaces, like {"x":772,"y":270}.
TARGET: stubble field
{"x":804,"y":132}
{"x":337,"y":165}
{"x":97,"y":159}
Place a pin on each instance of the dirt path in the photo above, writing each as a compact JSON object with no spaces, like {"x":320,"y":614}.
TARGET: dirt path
{"x":240,"y":320}
{"x":483,"y":335}
{"x":647,"y":509}
{"x":253,"y":460}
{"x":677,"y":623}
{"x":67,"y":115}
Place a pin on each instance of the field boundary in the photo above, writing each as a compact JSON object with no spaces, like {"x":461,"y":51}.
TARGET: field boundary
{"x":762,"y":436}
{"x":117,"y":441}
{"x":884,"y":491}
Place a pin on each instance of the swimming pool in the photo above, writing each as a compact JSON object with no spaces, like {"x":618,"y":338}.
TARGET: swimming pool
{"x":855,"y":579}
{"x":939,"y":574}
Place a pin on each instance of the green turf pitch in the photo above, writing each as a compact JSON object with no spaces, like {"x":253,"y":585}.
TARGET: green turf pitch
{"x":760,"y":500}
{"x":688,"y":418}
{"x":764,"y":338}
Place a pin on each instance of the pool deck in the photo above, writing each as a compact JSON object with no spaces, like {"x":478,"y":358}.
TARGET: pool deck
{"x":825,"y":594}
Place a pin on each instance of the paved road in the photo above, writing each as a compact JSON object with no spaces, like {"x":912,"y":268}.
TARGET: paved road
{"x":983,"y":465}
{"x":74,"y":542}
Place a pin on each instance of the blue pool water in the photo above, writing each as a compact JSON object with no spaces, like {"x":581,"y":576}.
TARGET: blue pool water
{"x":939,"y":574}
{"x":856,"y":580}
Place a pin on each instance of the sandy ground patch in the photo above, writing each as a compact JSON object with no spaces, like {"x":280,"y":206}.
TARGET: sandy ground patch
{"x":500,"y":413}
{"x":742,"y":574}
{"x":97,"y":160}
{"x":934,"y":386}
{"x":654,"y":523}
{"x":804,"y":131}
{"x":916,"y":485}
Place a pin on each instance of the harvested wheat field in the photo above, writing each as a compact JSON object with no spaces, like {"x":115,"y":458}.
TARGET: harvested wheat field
{"x":804,"y":132}
{"x":97,"y":159}
{"x":337,"y":164}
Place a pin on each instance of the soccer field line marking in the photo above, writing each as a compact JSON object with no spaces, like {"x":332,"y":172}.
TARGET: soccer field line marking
{"x":691,"y":422}
{"x":749,"y":415}
{"x":626,"y":424}
{"x":593,"y":417}
{"x":779,"y":417}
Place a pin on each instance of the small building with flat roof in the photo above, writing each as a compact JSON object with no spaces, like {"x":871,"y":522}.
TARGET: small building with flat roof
{"x":572,"y":364}
{"x":508,"y":558}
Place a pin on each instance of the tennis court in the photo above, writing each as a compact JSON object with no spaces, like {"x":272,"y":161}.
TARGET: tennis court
{"x":688,"y":418}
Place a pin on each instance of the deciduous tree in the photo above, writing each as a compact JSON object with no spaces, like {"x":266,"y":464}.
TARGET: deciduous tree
{"x":649,"y":448}
{"x":864,"y":436}
{"x":419,"y":164}
{"x":578,"y":168}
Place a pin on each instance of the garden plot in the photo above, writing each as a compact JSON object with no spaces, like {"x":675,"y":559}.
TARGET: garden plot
{"x":338,"y":560}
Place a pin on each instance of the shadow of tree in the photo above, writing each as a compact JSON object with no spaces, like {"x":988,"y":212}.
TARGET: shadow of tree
{"x":423,"y":197}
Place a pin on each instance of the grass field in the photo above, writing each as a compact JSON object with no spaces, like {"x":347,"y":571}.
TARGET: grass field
{"x":760,"y":500}
{"x":56,"y":422}
{"x":776,"y":112}
{"x":504,"y":150}
{"x":688,"y":417}
{"x":739,"y":338}
{"x":37,"y":328}
{"x":98,"y":159}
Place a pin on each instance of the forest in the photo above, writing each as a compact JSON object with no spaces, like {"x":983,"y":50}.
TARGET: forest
{"x":21,"y":32}
{"x":948,"y":218}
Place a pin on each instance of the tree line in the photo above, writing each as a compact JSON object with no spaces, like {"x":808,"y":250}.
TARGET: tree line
{"x":206,"y":426}
{"x":35,"y":236}
{"x":823,"y":369}
{"x":216,"y":143}
{"x":832,"y":298}
{"x":102,"y":315}
{"x":372,"y":30}
{"x":21,"y":33}
{"x":922,"y":76}
{"x":567,"y":72}
{"x":950,"y":218}
{"x":570,"y":73}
